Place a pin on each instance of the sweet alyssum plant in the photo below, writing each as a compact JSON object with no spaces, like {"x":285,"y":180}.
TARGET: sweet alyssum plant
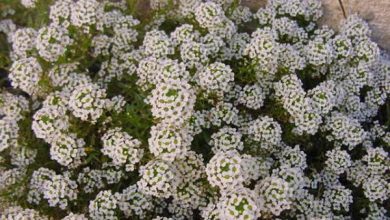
{"x":199,"y":110}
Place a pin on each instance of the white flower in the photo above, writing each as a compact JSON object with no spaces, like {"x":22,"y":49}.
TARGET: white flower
{"x":103,"y":206}
{"x":209,"y":14}
{"x":254,"y":168}
{"x":251,"y":96}
{"x":376,"y":189}
{"x":85,"y":13}
{"x":29,"y":3}
{"x":344,"y":129}
{"x":293,"y":157}
{"x":263,"y":49}
{"x":377,"y":160}
{"x":223,"y":113}
{"x":67,"y":149}
{"x":13,"y":106}
{"x":292,"y":175}
{"x":23,"y":41}
{"x":240,"y":203}
{"x":73,"y":216}
{"x":318,"y":52}
{"x":183,"y":34}
{"x":8,"y":133}
{"x":59,"y":190}
{"x":132,"y":202}
{"x":37,"y":184}
{"x":322,"y":97}
{"x":48,"y":121}
{"x":224,"y":170}
{"x":275,"y":195}
{"x":169,"y":142}
{"x":52,"y":42}
{"x":172,"y":101}
{"x":226,"y":139}
{"x":19,"y":213}
{"x":367,"y":52}
{"x":25,"y":75}
{"x":194,"y":54}
{"x":355,"y":28}
{"x":340,"y":197}
{"x":266,"y":131}
{"x":60,"y":12}
{"x":216,"y":77}
{"x":159,"y":178}
{"x":241,"y":14}
{"x":122,"y":148}
{"x":157,"y":43}
{"x":338,"y":161}
{"x":22,"y":156}
{"x":87,"y":102}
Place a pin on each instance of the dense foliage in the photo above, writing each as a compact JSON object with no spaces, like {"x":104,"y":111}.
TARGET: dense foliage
{"x":195,"y":110}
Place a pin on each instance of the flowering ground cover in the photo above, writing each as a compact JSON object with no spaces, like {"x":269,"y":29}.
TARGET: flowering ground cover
{"x":195,"y":110}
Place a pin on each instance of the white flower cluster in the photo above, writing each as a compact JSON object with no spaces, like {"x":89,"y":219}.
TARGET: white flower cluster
{"x":251,"y":96}
{"x":132,"y":202}
{"x":48,"y":122}
{"x":103,"y":206}
{"x":8,"y":133}
{"x":85,"y":13}
{"x":19,"y":213}
{"x":276,"y":195}
{"x":201,"y":109}
{"x":67,"y":149}
{"x":239,"y":204}
{"x":226,"y":139}
{"x":266,"y":131}
{"x":172,"y":101}
{"x":28,"y":3}
{"x":344,"y":129}
{"x":216,"y":78}
{"x":58,"y":190}
{"x":52,"y":42}
{"x":224,"y":170}
{"x":23,"y":41}
{"x":122,"y":148}
{"x":159,"y":178}
{"x":25,"y":74}
{"x":87,"y":102}
{"x":169,"y":142}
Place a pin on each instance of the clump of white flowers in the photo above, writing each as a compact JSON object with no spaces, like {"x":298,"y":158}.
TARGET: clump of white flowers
{"x":239,"y":204}
{"x":8,"y":133}
{"x":159,"y":178}
{"x":60,"y":190}
{"x":226,"y":139}
{"x":103,"y":206}
{"x":266,"y":131}
{"x":25,"y":74}
{"x":52,"y":42}
{"x":123,"y":149}
{"x":29,"y":3}
{"x":172,"y":101}
{"x":169,"y":142}
{"x":216,"y":78}
{"x":67,"y":149}
{"x":201,"y":109}
{"x":275,"y":195}
{"x":23,"y":41}
{"x":224,"y":170}
{"x":87,"y":102}
{"x":48,"y":122}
